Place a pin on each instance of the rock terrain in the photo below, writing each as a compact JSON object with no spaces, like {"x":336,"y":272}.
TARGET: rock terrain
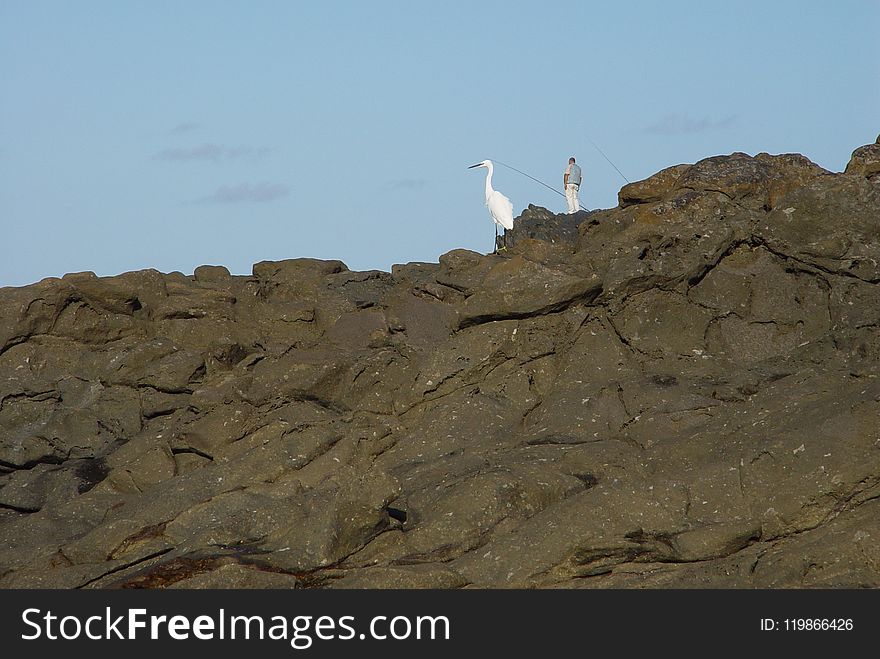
{"x":678,"y":392}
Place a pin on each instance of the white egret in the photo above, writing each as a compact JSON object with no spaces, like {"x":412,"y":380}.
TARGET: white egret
{"x":499,"y":206}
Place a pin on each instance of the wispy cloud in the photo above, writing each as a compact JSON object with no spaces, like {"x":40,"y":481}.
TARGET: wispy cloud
{"x":408,"y":184}
{"x":183,"y":127}
{"x":212,"y":153}
{"x":246,"y":193}
{"x":680,"y":124}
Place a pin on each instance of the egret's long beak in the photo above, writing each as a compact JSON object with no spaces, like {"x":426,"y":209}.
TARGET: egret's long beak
{"x":477,"y":165}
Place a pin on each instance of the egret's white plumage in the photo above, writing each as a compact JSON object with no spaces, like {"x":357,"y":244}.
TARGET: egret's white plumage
{"x":499,"y":206}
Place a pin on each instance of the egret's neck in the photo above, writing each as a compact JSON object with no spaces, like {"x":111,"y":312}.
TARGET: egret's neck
{"x":489,"y":181}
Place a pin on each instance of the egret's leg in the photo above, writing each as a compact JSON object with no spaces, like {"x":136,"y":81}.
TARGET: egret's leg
{"x":495,"y":246}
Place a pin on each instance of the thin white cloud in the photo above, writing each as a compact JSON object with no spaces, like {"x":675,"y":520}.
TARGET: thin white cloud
{"x":246,"y":193}
{"x":212,"y":153}
{"x":680,"y":124}
{"x":183,"y":127}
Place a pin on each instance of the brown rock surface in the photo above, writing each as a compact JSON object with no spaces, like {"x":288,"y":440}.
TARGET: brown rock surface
{"x":679,"y":392}
{"x":865,"y":161}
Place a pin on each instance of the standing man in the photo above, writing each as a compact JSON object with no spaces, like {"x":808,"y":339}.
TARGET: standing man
{"x":572,"y":179}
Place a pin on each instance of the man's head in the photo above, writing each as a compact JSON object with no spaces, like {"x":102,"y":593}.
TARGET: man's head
{"x":571,"y":160}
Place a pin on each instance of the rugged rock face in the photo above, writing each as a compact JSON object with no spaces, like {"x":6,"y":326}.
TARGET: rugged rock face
{"x":865,"y":161}
{"x":678,"y":392}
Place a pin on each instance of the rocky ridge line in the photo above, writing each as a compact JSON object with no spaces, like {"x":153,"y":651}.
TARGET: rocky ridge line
{"x":678,"y":392}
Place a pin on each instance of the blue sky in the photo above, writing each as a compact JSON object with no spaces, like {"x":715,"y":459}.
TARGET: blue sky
{"x":165,"y":134}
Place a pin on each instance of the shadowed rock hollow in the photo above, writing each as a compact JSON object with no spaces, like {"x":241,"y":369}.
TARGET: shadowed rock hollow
{"x":678,"y":392}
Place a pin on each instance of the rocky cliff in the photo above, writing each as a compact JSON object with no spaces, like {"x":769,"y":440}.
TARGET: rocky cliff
{"x":681,"y":391}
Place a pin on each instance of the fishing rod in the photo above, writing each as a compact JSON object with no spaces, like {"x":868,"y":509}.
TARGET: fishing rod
{"x":562,"y":194}
{"x":596,"y":146}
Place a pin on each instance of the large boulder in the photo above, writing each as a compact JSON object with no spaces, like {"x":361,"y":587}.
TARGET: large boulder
{"x":538,"y":223}
{"x":865,"y":161}
{"x":755,"y":182}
